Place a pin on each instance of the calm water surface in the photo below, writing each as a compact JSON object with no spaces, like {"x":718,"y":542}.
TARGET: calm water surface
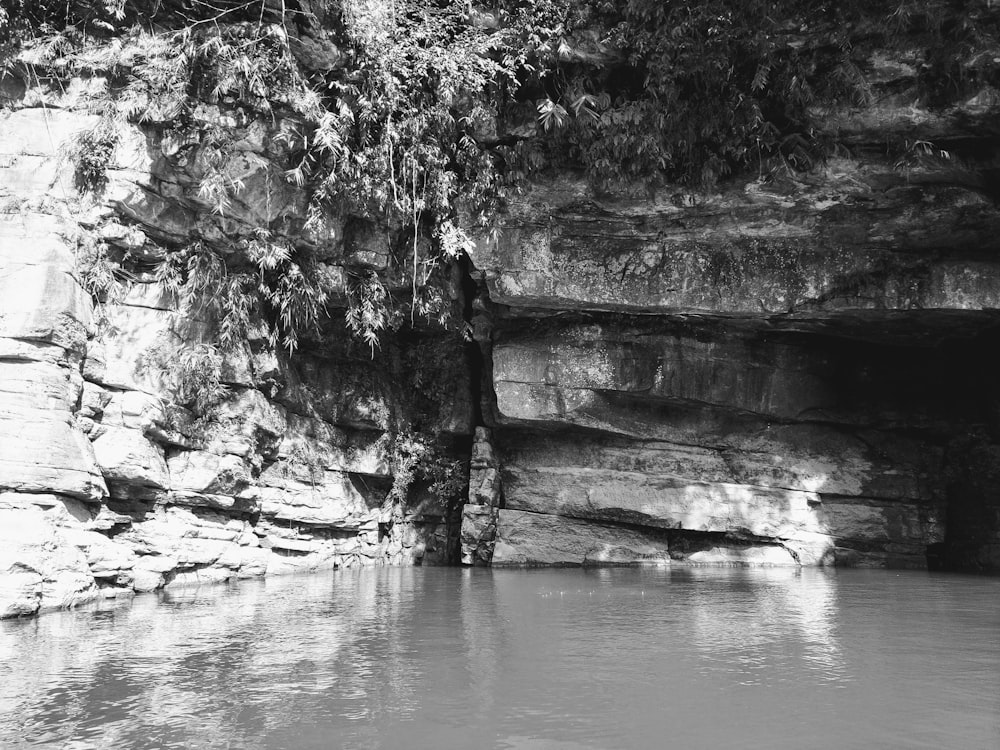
{"x":527,"y":660}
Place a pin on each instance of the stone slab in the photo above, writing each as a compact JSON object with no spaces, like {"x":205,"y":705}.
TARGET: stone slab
{"x":537,"y":539}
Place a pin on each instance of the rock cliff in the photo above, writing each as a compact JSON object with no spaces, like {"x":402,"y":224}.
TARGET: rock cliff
{"x":792,"y":368}
{"x":109,"y":483}
{"x":797,"y":370}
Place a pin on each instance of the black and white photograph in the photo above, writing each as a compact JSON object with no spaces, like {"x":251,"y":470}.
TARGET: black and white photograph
{"x":499,"y":374}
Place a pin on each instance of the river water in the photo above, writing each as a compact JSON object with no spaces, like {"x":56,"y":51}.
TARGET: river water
{"x":441,"y":658}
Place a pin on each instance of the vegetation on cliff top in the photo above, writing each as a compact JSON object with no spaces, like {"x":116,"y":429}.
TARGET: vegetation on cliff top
{"x":425,"y":98}
{"x":423,"y":115}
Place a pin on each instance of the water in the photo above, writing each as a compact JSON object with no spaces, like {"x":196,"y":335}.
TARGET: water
{"x":526,"y":660}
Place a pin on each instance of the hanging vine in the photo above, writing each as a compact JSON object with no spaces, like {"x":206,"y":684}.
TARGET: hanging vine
{"x":425,"y":115}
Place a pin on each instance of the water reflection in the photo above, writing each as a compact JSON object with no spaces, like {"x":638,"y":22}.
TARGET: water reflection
{"x":564,"y":660}
{"x":743,"y":626}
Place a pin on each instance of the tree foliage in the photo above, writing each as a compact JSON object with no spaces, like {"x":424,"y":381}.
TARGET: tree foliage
{"x":423,"y":115}
{"x":285,"y":292}
{"x":699,"y":90}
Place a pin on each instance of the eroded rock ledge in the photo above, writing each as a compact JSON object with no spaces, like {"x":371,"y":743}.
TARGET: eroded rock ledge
{"x":792,"y":370}
{"x":106,"y":485}
{"x":795,"y":370}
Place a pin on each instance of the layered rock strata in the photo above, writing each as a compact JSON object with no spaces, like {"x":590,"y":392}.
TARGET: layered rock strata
{"x":796,"y":369}
{"x":107,"y":486}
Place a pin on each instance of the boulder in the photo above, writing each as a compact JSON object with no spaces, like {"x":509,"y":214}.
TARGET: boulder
{"x":246,"y":423}
{"x":525,"y":538}
{"x":48,"y":455}
{"x":106,"y":558}
{"x":319,"y":443}
{"x":42,"y":301}
{"x":135,"y":410}
{"x":201,"y":472}
{"x":127,"y":458}
{"x":479,"y":525}
{"x":42,"y":451}
{"x":322,"y":498}
{"x":40,"y":567}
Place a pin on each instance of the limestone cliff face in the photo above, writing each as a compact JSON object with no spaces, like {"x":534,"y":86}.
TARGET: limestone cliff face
{"x":107,"y":484}
{"x":793,"y":370}
{"x":796,"y":369}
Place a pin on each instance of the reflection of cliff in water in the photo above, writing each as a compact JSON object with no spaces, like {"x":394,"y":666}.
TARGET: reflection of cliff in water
{"x":745,"y":628}
{"x":451,"y":658}
{"x":211,"y":658}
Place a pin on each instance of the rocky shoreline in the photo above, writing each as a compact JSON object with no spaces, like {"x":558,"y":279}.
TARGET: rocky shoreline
{"x":792,"y":371}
